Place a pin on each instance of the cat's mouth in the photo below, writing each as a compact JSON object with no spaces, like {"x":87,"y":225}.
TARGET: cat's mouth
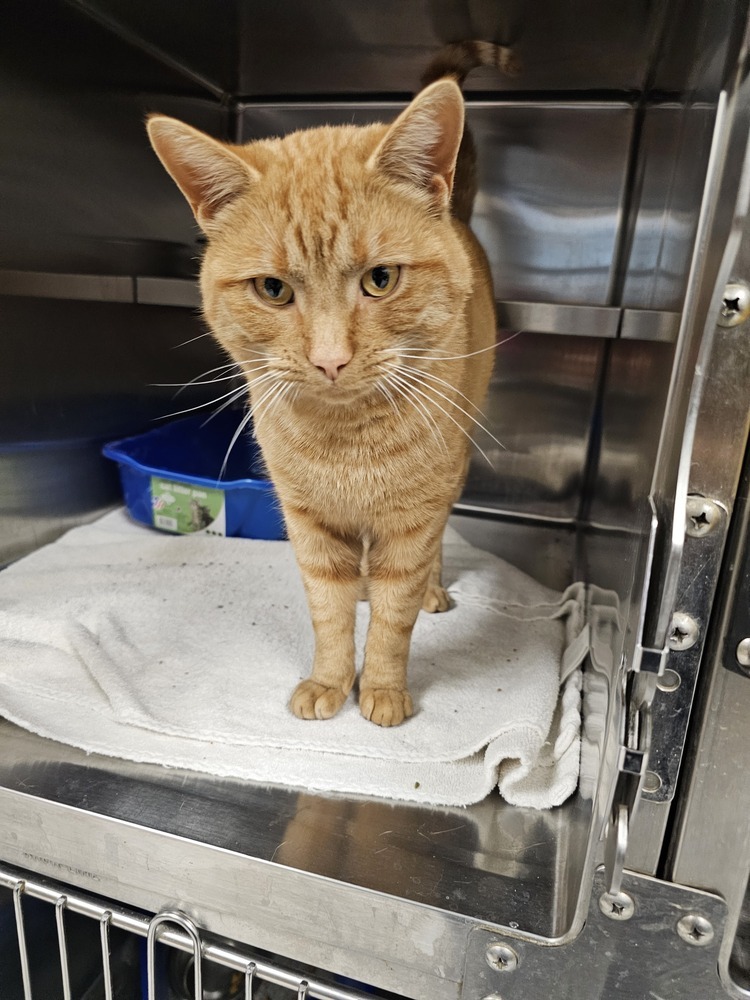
{"x":337,"y":394}
{"x":340,"y":392}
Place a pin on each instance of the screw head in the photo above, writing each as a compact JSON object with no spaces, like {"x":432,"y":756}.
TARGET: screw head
{"x":703,"y":515}
{"x":651,"y":782}
{"x":695,"y":929}
{"x":735,"y":304}
{"x":743,"y":653}
{"x":501,"y":957}
{"x":684,"y":633}
{"x":617,"y":905}
{"x":669,"y":681}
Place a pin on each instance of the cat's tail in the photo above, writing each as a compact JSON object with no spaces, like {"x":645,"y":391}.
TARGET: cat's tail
{"x":456,"y":61}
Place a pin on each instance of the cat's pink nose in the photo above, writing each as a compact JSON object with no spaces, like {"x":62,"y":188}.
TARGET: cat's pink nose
{"x":331,"y":362}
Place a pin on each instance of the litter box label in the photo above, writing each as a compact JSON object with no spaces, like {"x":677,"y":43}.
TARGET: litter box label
{"x":187,"y":509}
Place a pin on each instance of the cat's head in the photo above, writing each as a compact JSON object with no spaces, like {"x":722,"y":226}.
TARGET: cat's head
{"x":330,"y":250}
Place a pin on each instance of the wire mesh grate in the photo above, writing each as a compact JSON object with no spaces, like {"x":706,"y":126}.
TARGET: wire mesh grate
{"x":246,"y":976}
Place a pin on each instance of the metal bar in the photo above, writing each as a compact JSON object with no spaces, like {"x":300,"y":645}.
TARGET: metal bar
{"x":605,"y":322}
{"x":83,"y":287}
{"x":554,"y":317}
{"x":650,"y":324}
{"x":19,"y":887}
{"x":183,"y":921}
{"x":139,"y":924}
{"x":104,"y":924}
{"x":63,"y":945}
{"x":183,"y":292}
{"x":249,"y":980}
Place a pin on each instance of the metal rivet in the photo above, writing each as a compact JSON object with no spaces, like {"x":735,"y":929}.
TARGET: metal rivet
{"x":703,"y":515}
{"x":651,"y":782}
{"x":684,"y":633}
{"x":669,"y":681}
{"x":501,"y":957}
{"x":743,"y":653}
{"x":617,"y":905}
{"x":735,"y":305}
{"x":695,"y":929}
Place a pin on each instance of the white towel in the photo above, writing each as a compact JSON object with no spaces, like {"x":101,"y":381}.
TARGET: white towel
{"x":184,"y":650}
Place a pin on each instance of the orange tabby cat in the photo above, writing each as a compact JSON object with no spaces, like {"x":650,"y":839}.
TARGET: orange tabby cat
{"x":361,"y":312}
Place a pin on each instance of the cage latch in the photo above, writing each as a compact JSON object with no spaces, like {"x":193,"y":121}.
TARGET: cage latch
{"x":631,"y":770}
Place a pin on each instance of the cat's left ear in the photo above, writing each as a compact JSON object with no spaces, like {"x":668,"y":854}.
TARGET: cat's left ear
{"x":421,"y":146}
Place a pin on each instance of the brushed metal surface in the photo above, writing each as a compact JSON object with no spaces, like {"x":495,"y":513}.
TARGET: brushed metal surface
{"x":674,"y":142}
{"x":642,"y":958}
{"x":710,"y":848}
{"x":539,"y":406}
{"x":262,"y":48}
{"x":401,"y":886}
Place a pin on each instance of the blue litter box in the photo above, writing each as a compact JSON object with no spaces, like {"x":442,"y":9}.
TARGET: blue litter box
{"x":170,"y":479}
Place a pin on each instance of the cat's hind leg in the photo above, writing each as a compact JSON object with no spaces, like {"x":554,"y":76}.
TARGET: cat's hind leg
{"x":436,"y":596}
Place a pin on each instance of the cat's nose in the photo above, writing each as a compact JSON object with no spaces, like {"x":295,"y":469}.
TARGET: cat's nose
{"x":331,"y":363}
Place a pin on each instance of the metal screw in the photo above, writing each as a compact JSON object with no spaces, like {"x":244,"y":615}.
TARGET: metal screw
{"x":695,"y":929}
{"x":501,"y":957}
{"x":702,"y":516}
{"x":669,"y":681}
{"x":743,"y":653}
{"x":651,"y":782}
{"x":735,"y":305}
{"x":684,"y":632}
{"x":617,"y":905}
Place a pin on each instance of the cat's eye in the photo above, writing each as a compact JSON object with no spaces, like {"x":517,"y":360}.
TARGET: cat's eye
{"x":380,"y":280}
{"x":274,"y":290}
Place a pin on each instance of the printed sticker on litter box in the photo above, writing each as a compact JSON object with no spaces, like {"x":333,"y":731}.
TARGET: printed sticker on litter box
{"x":187,"y":509}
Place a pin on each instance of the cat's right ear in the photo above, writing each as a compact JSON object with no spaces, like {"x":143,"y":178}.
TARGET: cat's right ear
{"x":208,"y":173}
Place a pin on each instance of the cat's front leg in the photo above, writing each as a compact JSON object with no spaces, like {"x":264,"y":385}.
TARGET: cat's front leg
{"x":330,"y":568}
{"x":399,"y":569}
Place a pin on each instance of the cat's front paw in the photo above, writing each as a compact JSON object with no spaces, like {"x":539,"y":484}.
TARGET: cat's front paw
{"x":435,"y":599}
{"x":385,"y":707}
{"x":316,"y":701}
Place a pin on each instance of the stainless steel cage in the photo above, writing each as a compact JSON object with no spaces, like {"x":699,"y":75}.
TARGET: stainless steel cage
{"x":613,"y":205}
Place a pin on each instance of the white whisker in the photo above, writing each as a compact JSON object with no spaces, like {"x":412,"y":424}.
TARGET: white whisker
{"x":270,"y":398}
{"x":275,"y":402}
{"x":408,"y":369}
{"x":442,"y":395}
{"x":210,"y":381}
{"x":453,"y":419}
{"x":406,"y":391}
{"x":192,"y":340}
{"x":200,"y":406}
{"x":194,"y":381}
{"x":243,"y":423}
{"x":458,"y":357}
{"x":388,"y":396}
{"x":232,"y":399}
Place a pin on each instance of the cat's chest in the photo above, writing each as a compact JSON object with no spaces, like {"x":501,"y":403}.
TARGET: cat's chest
{"x":360,"y":474}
